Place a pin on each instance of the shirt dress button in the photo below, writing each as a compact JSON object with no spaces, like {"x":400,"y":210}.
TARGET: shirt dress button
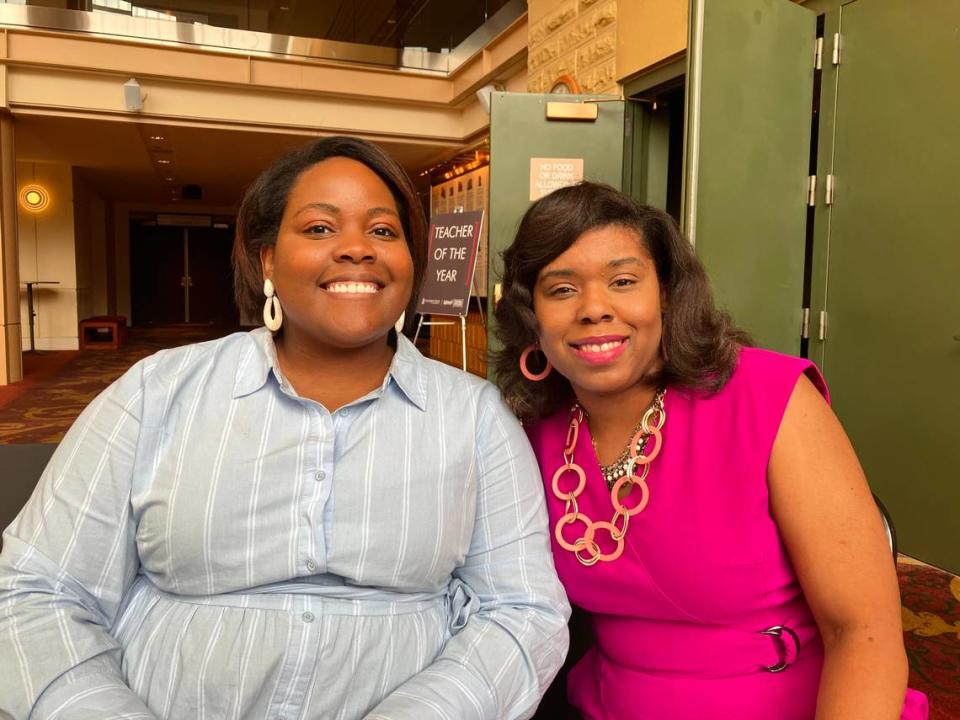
{"x":312,"y":566}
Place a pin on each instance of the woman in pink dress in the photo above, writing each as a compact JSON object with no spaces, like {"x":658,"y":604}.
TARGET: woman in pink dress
{"x":707,"y":509}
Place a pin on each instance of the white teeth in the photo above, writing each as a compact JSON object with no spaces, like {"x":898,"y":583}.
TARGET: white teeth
{"x":594,"y":348}
{"x":353,"y":287}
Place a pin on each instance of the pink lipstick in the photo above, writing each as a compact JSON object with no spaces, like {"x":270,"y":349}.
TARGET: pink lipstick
{"x":601,"y":349}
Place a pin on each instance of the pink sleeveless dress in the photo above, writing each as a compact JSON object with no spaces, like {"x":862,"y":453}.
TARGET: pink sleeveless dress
{"x":678,"y":617}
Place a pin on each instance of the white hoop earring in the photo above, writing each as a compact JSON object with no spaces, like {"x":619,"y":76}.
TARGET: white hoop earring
{"x":398,"y":326}
{"x":272,"y":312}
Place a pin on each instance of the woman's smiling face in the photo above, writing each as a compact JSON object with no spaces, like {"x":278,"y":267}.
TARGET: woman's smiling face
{"x":341,"y":265}
{"x":599,"y":308}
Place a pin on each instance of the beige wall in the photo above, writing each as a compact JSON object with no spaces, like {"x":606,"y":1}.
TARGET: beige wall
{"x":90,"y":227}
{"x":47,"y":252}
{"x":73,"y":74}
{"x":651,"y":31}
{"x":572,"y":37}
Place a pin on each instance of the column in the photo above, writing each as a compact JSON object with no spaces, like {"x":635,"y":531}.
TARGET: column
{"x":11,"y":365}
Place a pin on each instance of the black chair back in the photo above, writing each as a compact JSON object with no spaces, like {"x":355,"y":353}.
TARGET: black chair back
{"x":20,"y":469}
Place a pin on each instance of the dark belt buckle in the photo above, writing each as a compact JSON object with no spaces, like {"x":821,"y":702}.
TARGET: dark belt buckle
{"x":778,"y":631}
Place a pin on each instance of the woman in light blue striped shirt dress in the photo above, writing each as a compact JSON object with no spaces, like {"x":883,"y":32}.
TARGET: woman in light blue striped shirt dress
{"x":310,"y":520}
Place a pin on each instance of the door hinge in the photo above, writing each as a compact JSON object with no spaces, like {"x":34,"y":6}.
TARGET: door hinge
{"x":818,"y":55}
{"x":811,"y":190}
{"x":836,"y":48}
{"x":805,"y":324}
{"x":822,"y":334}
{"x":828,"y":193}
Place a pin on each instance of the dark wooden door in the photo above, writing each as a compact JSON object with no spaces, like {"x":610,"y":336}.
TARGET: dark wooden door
{"x":156,"y":270}
{"x":211,"y":276}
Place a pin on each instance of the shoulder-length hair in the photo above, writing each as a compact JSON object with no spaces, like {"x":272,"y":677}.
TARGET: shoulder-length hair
{"x":700,"y":343}
{"x":258,"y":221}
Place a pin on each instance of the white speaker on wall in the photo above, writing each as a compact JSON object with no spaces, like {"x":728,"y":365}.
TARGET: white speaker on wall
{"x":132,"y":96}
{"x":484,"y":93}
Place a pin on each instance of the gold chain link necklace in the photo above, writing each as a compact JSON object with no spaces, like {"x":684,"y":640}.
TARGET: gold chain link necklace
{"x":650,"y":427}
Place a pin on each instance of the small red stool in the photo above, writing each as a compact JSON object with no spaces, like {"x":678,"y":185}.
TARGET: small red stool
{"x":103,"y":332}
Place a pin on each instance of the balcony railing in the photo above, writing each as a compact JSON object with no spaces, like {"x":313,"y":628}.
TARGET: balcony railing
{"x":140,"y":25}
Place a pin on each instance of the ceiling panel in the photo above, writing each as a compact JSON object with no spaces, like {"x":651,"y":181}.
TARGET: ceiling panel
{"x":130,"y":162}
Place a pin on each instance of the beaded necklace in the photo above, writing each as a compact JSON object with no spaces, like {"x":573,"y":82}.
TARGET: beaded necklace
{"x":618,"y":468}
{"x":650,"y":426}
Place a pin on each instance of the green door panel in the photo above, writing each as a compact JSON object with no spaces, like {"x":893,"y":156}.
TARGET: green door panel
{"x":520,"y":131}
{"x":747,"y":153}
{"x":647,"y":154}
{"x":891,"y":282}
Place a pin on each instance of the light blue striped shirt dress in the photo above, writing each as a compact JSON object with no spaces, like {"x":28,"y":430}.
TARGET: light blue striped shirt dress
{"x":207,"y":544}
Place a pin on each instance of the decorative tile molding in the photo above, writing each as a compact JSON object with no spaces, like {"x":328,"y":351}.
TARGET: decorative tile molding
{"x":576,"y":38}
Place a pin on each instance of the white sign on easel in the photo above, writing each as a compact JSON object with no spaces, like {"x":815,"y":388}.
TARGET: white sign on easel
{"x":454,"y":240}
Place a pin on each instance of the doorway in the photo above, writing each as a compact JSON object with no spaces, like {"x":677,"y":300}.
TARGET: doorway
{"x":181,"y":273}
{"x":653,"y":164}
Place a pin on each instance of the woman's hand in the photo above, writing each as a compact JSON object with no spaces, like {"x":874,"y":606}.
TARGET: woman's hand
{"x":834,"y":535}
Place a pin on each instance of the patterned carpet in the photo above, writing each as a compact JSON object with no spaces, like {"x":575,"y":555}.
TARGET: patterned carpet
{"x":37,"y":367}
{"x":930,"y":609}
{"x":59,"y":385}
{"x":42,"y":407}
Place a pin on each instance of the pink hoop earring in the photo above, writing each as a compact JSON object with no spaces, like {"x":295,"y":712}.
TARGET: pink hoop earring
{"x":523,"y":364}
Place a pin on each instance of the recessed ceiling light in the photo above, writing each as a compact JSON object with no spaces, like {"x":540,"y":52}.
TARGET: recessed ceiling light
{"x":164,"y":162}
{"x":157,"y":137}
{"x":169,"y":179}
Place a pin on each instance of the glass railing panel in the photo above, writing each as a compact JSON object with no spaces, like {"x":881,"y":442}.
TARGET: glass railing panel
{"x":415,"y":34}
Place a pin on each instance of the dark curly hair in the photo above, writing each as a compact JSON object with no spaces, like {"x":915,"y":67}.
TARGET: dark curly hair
{"x":701,"y":342}
{"x":258,"y":221}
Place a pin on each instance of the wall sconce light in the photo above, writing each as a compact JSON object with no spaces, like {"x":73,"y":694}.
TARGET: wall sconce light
{"x":34,"y":198}
{"x":132,"y":97}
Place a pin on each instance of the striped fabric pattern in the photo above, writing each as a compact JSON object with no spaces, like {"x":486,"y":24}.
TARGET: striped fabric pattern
{"x":207,"y":544}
